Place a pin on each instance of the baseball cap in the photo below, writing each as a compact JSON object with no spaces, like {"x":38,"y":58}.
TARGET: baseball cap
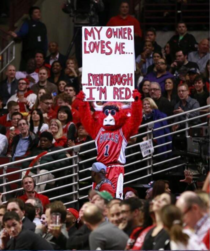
{"x":73,"y":211}
{"x":105,"y":195}
{"x":98,"y":167}
{"x":194,"y":71}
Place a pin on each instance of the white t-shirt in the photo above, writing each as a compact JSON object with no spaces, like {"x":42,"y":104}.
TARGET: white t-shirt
{"x":43,"y":128}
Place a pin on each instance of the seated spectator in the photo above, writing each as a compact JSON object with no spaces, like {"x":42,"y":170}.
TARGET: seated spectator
{"x":65,"y":117}
{"x":186,"y":103}
{"x":29,"y":186}
{"x":12,"y":107}
{"x":160,"y":187}
{"x":101,"y":183}
{"x":151,"y":113}
{"x":190,"y":77}
{"x":157,"y":237}
{"x":39,"y":59}
{"x":61,"y":86}
{"x":162,"y":103}
{"x":37,"y":204}
{"x":182,"y":41}
{"x":56,"y":129}
{"x":171,"y":91}
{"x":103,"y":235}
{"x":129,"y":192}
{"x":124,"y":19}
{"x":201,"y":56}
{"x":46,"y":145}
{"x":71,"y":220}
{"x":146,"y":58}
{"x":2,"y":110}
{"x":46,"y":103}
{"x":181,"y":64}
{"x":57,"y":73}
{"x":156,"y":56}
{"x":24,"y":96}
{"x":114,"y":215}
{"x":200,"y":93}
{"x":20,"y":239}
{"x":57,"y":239}
{"x":30,"y":212}
{"x":160,"y":75}
{"x":29,"y":73}
{"x":9,"y":85}
{"x":195,"y":216}
{"x":144,"y":89}
{"x":4,"y":141}
{"x":18,"y":206}
{"x":44,"y":83}
{"x":40,"y":93}
{"x":167,"y":54}
{"x":181,"y":239}
{"x":55,"y":55}
{"x":207,"y":74}
{"x":151,"y":36}
{"x":72,"y":73}
{"x":71,"y":91}
{"x":37,"y":124}
{"x":24,"y":142}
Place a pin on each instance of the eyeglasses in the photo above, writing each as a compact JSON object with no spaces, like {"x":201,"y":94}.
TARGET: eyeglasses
{"x":154,"y":89}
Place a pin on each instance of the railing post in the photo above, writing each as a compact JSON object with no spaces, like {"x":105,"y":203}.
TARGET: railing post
{"x":76,"y":177}
{"x":150,"y":136}
{"x":186,"y":125}
{"x":4,"y":182}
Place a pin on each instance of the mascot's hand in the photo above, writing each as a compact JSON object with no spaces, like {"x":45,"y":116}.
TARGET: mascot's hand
{"x":81,"y":96}
{"x":136,"y":95}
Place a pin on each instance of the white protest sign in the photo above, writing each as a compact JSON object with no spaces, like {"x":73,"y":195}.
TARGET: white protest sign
{"x":146,"y":148}
{"x":108,"y":63}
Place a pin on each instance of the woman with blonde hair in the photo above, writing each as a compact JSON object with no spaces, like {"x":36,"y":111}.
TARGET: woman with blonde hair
{"x":181,"y":239}
{"x":57,"y":131}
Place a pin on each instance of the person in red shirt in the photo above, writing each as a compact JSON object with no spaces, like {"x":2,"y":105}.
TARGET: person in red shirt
{"x":56,"y":129}
{"x":29,"y":185}
{"x":12,"y":107}
{"x":101,"y":183}
{"x":124,"y":19}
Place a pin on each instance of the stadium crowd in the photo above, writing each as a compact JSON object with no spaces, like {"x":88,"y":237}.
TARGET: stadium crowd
{"x":39,"y":113}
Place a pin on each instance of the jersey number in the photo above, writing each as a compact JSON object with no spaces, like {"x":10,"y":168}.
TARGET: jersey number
{"x":106,"y":151}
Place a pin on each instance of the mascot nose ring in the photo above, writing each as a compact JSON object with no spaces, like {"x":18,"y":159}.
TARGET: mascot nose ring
{"x":112,"y":112}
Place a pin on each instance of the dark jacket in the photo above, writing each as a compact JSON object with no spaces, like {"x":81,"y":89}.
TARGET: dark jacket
{"x":28,"y":225}
{"x":62,"y":59}
{"x":27,"y":240}
{"x":4,"y":94}
{"x":33,"y":142}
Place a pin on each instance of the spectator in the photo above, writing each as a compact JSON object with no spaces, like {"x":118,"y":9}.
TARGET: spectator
{"x":23,"y":142}
{"x":61,"y":86}
{"x":30,"y":212}
{"x":29,"y":73}
{"x":181,"y":239}
{"x":57,"y":73}
{"x":57,"y":131}
{"x":186,"y":103}
{"x":98,"y":175}
{"x":192,"y":74}
{"x":104,"y":235}
{"x":72,"y":73}
{"x":57,"y":238}
{"x":71,"y":220}
{"x":151,"y":113}
{"x":181,"y":64}
{"x":46,"y":145}
{"x":40,"y":93}
{"x":194,"y":215}
{"x":151,"y":36}
{"x":144,"y":89}
{"x":9,"y":85}
{"x":2,"y":212}
{"x":33,"y":34}
{"x":24,"y":96}
{"x":167,"y":54}
{"x":182,"y":41}
{"x":37,"y":204}
{"x":37,"y":124}
{"x":171,"y":91}
{"x":160,"y":75}
{"x":157,"y":238}
{"x":131,"y":210}
{"x":44,"y":83}
{"x":17,"y":238}
{"x":115,"y":213}
{"x":46,"y":102}
{"x":207,"y":73}
{"x":124,"y":19}
{"x":146,"y":58}
{"x":4,"y":141}
{"x":201,"y":56}
{"x":12,"y":107}
{"x":71,"y":91}
{"x":162,"y":103}
{"x":200,"y":93}
{"x":156,"y":56}
{"x":39,"y":60}
{"x":55,"y":55}
{"x":129,"y":192}
{"x":160,"y":187}
{"x":18,"y":206}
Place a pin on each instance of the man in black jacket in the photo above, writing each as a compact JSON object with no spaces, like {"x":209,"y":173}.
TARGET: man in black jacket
{"x":15,"y":237}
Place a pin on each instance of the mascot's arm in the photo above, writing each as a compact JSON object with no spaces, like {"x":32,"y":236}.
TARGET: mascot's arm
{"x":86,"y":117}
{"x":132,"y":124}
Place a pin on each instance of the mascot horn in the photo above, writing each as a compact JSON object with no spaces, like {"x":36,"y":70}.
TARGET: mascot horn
{"x":111,"y":129}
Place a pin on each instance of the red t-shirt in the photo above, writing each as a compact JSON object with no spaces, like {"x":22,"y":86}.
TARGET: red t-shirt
{"x":4,"y":122}
{"x":107,"y":187}
{"x":129,"y":20}
{"x":62,"y":141}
